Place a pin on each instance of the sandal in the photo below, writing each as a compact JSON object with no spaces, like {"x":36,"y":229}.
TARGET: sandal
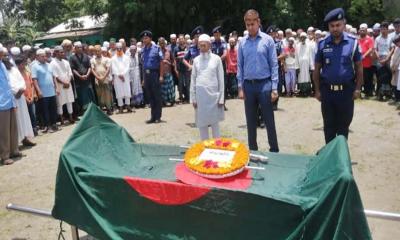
{"x":8,"y":162}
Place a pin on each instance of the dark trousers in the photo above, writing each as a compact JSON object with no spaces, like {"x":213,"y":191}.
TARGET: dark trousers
{"x":368,"y":81}
{"x":32,"y":114}
{"x":153,"y":89}
{"x":259,"y":94}
{"x":48,"y":106}
{"x":232,"y":86}
{"x":184,"y":85}
{"x":337,"y":111}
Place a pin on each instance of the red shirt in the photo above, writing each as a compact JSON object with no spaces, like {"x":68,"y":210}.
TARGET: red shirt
{"x":366,"y":43}
{"x":231,"y":60}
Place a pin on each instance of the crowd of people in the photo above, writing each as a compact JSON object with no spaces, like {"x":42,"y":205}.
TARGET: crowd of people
{"x":43,"y":88}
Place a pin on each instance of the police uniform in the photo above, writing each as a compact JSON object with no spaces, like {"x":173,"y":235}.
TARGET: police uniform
{"x":218,"y":47}
{"x":151,"y":59}
{"x":193,"y":50}
{"x":337,"y":79}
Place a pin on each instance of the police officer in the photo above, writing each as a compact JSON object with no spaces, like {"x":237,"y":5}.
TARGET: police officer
{"x":193,"y":50}
{"x":152,"y":75}
{"x":218,"y":47}
{"x":338,"y":76}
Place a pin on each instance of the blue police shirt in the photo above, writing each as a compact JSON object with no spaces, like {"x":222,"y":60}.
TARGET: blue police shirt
{"x":193,"y":52}
{"x":152,"y":56}
{"x":218,"y":47}
{"x":337,"y":59}
{"x":44,"y":76}
{"x":257,"y":59}
{"x":6,"y":96}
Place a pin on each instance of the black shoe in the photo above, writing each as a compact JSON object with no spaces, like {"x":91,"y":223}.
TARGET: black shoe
{"x":150,"y":121}
{"x":157,"y":121}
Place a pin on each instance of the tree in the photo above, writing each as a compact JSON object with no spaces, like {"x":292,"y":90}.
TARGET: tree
{"x":45,"y":13}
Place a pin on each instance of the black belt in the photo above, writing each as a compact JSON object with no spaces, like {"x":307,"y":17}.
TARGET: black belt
{"x":256,"y":81}
{"x":148,"y":71}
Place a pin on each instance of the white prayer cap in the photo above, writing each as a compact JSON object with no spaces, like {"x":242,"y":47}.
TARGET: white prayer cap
{"x":348,"y":26}
{"x":369,"y":30}
{"x":245,"y":33}
{"x":40,"y":52}
{"x":187,"y":36}
{"x":172,"y":35}
{"x":204,"y":38}
{"x":280,"y":32}
{"x":318,"y":32}
{"x":324,"y":33}
{"x":77,"y":44}
{"x":103,"y":49}
{"x":291,"y":39}
{"x":66,"y":42}
{"x":133,"y":47}
{"x":47,"y":50}
{"x":353,"y":30}
{"x":15,"y":51}
{"x":310,"y":29}
{"x":118,"y":45}
{"x":58,"y":48}
{"x":391,"y":27}
{"x":303,"y":34}
{"x":121,"y":40}
{"x":376,"y":26}
{"x":288,"y":30}
{"x":5,"y":51}
{"x":106,"y":44}
{"x":363,"y":26}
{"x":26,"y":48}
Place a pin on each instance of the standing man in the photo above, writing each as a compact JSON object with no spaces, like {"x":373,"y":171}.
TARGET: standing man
{"x":101,"y":68}
{"x":338,"y":76}
{"x":134,"y":74}
{"x":231,"y":68}
{"x":80,"y":65}
{"x":258,"y":79}
{"x":120,"y":71}
{"x":218,"y":47}
{"x":153,"y":75}
{"x":182,"y":71}
{"x":46,"y":89}
{"x":63,"y":76}
{"x":207,"y":89}
{"x":304,"y":55}
{"x":193,"y":50}
{"x":367,"y":48}
{"x":8,"y":127}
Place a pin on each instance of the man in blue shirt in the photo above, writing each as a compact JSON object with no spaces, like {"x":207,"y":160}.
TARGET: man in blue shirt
{"x":8,"y":120}
{"x":153,"y":75}
{"x":338,"y":76}
{"x":46,"y":89}
{"x":258,"y":79}
{"x":193,"y":50}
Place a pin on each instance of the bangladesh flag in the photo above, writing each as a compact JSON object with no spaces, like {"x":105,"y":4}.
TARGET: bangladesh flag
{"x":114,"y":188}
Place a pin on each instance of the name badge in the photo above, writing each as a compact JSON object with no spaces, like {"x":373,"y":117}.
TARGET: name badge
{"x":327,"y":61}
{"x":326,"y":50}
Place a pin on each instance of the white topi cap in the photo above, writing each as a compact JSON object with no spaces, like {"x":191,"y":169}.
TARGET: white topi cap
{"x":363,"y":26}
{"x":204,"y":38}
{"x":15,"y":51}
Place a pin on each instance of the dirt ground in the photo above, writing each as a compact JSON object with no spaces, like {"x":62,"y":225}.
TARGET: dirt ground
{"x":374,"y":144}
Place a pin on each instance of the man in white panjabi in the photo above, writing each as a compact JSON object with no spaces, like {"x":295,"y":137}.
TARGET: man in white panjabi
{"x":207,"y":89}
{"x":120,"y":71}
{"x":304,"y":56}
{"x":17,"y":83}
{"x":63,"y":74}
{"x":134,"y":73}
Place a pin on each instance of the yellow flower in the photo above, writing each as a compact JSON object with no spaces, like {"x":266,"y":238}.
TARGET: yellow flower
{"x":235,"y":145}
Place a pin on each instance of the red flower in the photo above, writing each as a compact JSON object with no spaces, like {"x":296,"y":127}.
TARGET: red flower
{"x":226,"y":144}
{"x":218,"y":142}
{"x":210,"y":164}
